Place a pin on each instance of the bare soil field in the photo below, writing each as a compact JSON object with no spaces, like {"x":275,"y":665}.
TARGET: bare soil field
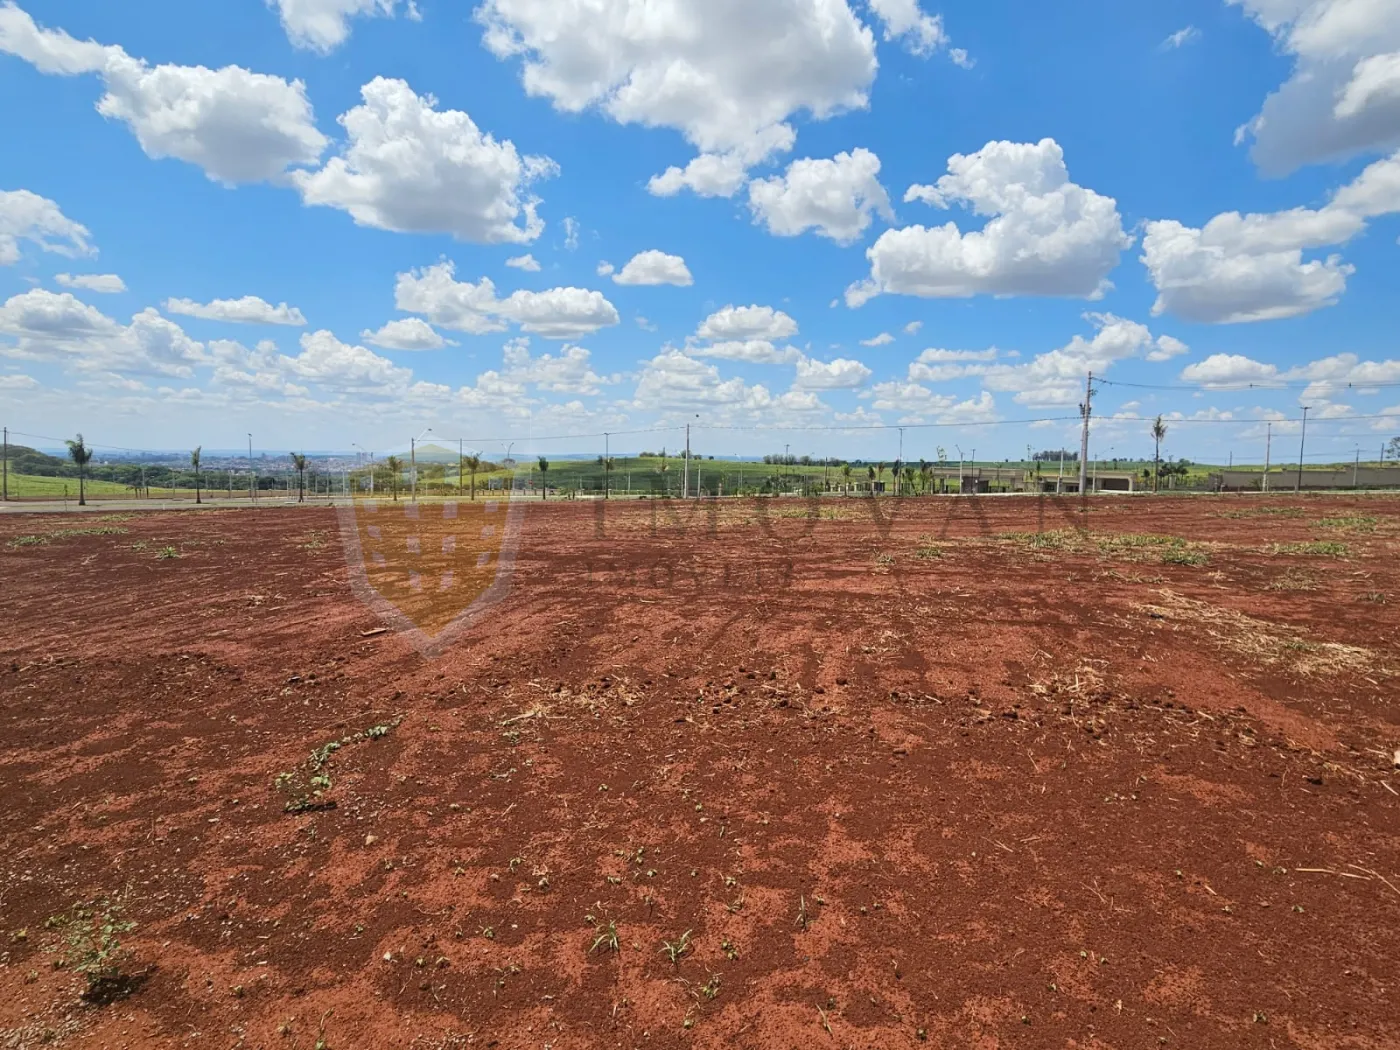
{"x":957,"y":772}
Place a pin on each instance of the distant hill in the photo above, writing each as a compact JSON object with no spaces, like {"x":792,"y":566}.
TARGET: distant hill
{"x":435,"y":454}
{"x":25,"y":460}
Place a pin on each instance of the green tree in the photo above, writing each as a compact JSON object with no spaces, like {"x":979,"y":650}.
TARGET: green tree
{"x":299,"y":462}
{"x":870,"y":472}
{"x":80,"y":453}
{"x":846,"y":475}
{"x":925,"y":475}
{"x":607,"y":463}
{"x":544,"y":478}
{"x":473,"y":465}
{"x":194,"y":462}
{"x":1159,"y":434}
{"x":394,"y":468}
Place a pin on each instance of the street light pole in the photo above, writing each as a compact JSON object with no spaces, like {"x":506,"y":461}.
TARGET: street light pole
{"x":1268,"y":449}
{"x":252,"y":473}
{"x":607,"y":463}
{"x":413,"y":461}
{"x":1302,"y":444}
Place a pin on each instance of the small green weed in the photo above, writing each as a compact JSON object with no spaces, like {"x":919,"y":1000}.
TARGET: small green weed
{"x":167,"y":553}
{"x":41,"y":539}
{"x":673,"y":950}
{"x":309,"y":782}
{"x":607,"y":936}
{"x":1350,"y":523}
{"x":1315,"y":548}
{"x":95,"y":950}
{"x":927,"y":548}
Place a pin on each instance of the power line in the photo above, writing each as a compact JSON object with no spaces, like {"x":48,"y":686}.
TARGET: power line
{"x":815,"y":428}
{"x":1229,"y":387}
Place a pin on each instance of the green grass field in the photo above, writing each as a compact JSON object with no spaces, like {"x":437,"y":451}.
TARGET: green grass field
{"x":31,"y":486}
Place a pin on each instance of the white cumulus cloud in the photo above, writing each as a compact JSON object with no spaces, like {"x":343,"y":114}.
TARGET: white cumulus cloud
{"x":655,"y":267}
{"x":525,"y":262}
{"x":1045,"y":235}
{"x":708,"y":175}
{"x":26,"y":216}
{"x":842,"y":373}
{"x":239,"y":126}
{"x":556,"y":313}
{"x":747,"y":322}
{"x":1057,"y":377}
{"x":922,"y":33}
{"x":1252,"y":267}
{"x":323,"y":25}
{"x":410,"y":333}
{"x":1343,"y":97}
{"x":728,"y":74}
{"x":834,"y":197}
{"x":1228,"y":370}
{"x":107,"y":283}
{"x":248,"y":310}
{"x":56,"y":326}
{"x":412,"y":168}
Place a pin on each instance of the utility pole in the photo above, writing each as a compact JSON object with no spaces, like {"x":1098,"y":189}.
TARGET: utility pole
{"x":1085,"y":410}
{"x":685,"y":468}
{"x":5,"y":465}
{"x":1356,"y":467}
{"x":607,"y":452}
{"x":459,"y":466}
{"x":413,"y":466}
{"x":1268,"y":448}
{"x":1302,"y":444}
{"x":901,"y":459}
{"x":252,"y":473}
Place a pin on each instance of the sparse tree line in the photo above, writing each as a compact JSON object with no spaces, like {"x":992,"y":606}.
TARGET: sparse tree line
{"x":388,"y":475}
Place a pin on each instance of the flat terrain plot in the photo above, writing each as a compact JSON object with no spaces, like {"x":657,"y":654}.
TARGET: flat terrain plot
{"x":950,"y":772}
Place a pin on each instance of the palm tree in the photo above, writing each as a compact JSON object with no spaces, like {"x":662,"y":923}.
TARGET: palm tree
{"x":909,"y":477}
{"x":1159,"y":434}
{"x":880,"y":473}
{"x":194,"y":462}
{"x":896,"y":471}
{"x":299,"y":462}
{"x":79,"y":453}
{"x":544,"y":478}
{"x":473,"y":465}
{"x":846,"y":475}
{"x":870,"y":472}
{"x":394,"y":467}
{"x":925,"y":475}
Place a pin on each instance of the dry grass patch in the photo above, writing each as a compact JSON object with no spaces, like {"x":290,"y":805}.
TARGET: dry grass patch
{"x":1122,"y":546}
{"x":1269,"y":643}
{"x":1293,"y":580}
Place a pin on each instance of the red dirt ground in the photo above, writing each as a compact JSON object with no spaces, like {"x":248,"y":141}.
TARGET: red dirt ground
{"x":904,"y":781}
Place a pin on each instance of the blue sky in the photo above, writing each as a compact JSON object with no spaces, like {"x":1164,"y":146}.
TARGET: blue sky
{"x":785,"y":221}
